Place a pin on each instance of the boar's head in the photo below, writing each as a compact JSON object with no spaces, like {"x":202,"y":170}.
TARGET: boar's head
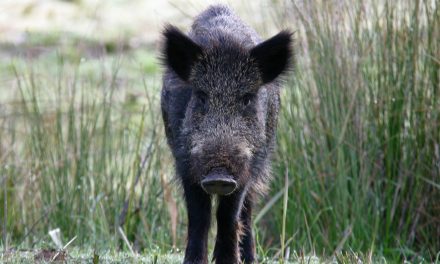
{"x":225,"y":121}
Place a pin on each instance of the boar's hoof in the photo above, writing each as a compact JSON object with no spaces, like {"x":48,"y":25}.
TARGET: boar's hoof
{"x":218,"y":181}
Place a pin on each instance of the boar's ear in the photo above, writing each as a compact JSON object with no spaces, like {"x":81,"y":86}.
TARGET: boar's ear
{"x":179,"y":52}
{"x":273,"y":55}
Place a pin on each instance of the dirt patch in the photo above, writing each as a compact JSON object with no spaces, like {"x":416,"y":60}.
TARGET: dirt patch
{"x":51,"y":255}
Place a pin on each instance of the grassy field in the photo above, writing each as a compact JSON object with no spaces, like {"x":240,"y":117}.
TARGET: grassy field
{"x":110,"y":256}
{"x":357,"y":168}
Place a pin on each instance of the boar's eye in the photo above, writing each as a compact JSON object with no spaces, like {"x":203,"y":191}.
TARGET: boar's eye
{"x":247,"y":99}
{"x":202,"y":97}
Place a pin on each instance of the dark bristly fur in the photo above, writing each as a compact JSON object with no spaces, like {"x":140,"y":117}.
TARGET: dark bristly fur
{"x":220,"y":102}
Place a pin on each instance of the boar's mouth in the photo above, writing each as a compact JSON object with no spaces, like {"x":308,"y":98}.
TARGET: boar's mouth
{"x":219,"y":181}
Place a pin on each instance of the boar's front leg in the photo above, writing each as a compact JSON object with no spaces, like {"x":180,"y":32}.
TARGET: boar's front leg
{"x":226,"y":249}
{"x":198,"y":204}
{"x":247,"y":246}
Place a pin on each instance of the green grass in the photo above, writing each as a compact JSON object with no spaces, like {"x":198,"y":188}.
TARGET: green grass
{"x":360,"y":135}
{"x":356,"y":173}
{"x":110,"y":256}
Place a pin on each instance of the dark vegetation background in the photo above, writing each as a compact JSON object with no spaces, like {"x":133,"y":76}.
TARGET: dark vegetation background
{"x":357,"y":169}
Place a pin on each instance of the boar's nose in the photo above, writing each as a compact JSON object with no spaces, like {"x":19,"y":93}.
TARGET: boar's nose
{"x":219,"y":181}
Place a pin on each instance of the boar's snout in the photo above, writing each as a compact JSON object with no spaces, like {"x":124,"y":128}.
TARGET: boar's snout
{"x":219,"y":181}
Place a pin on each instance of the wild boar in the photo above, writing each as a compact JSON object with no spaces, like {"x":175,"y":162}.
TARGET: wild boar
{"x":220,"y":101}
